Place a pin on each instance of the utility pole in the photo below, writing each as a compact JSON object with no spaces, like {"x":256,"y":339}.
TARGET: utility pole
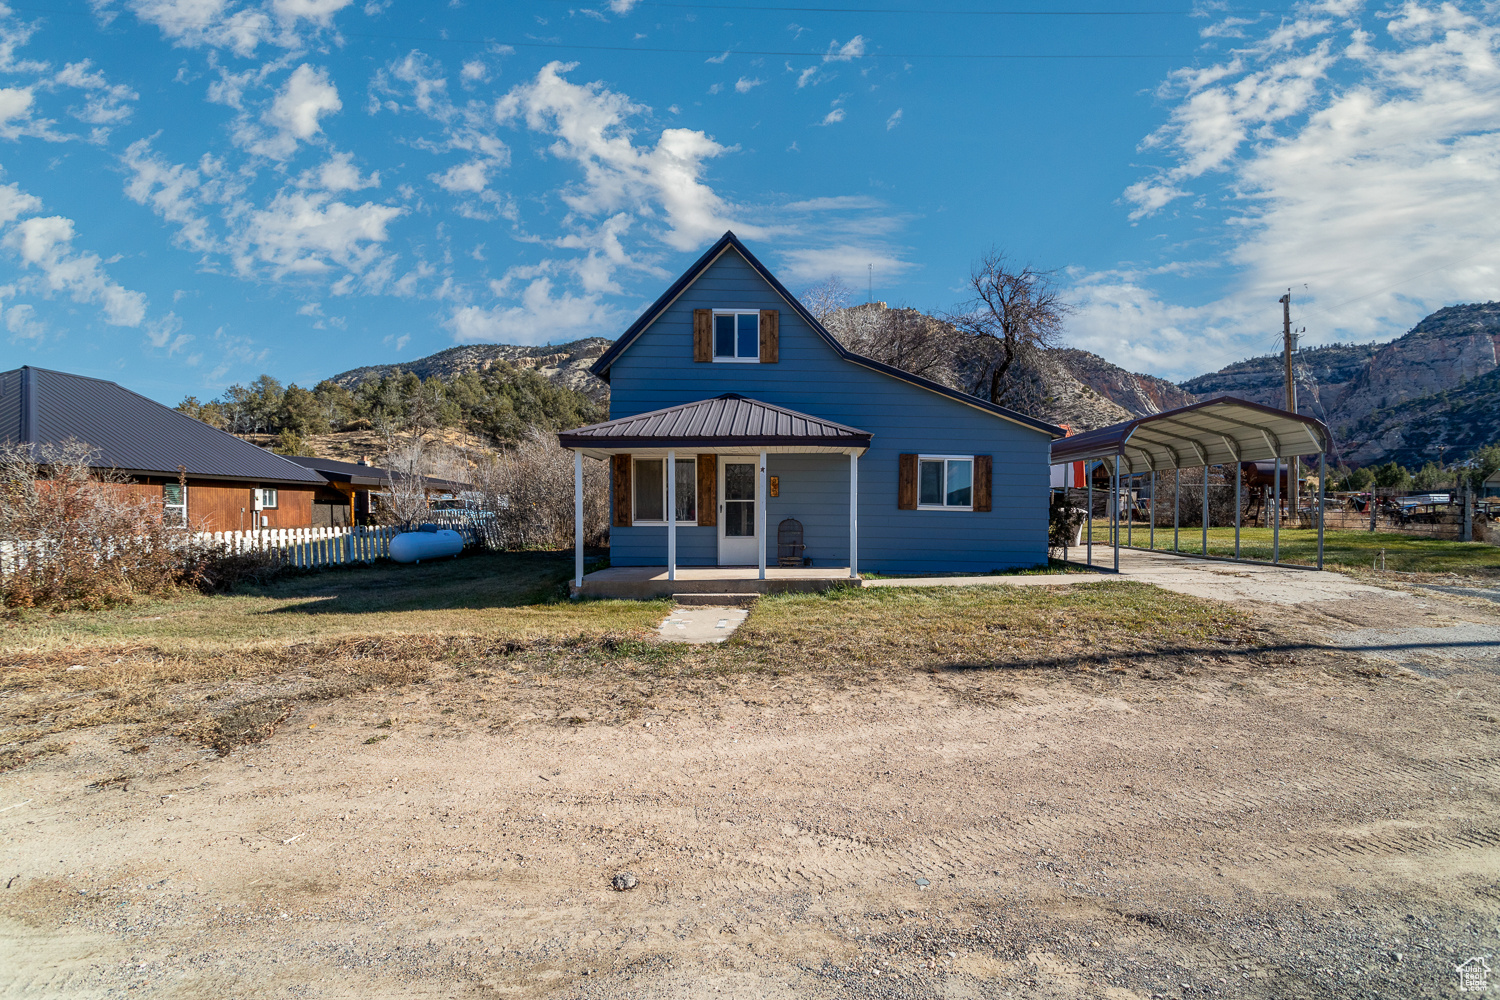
{"x":1288,"y":346}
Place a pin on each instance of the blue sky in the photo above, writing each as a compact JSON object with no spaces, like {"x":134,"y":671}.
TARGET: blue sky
{"x":196,"y":191}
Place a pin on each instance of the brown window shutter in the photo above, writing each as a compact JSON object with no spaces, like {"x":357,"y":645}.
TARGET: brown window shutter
{"x":906,"y":490}
{"x":620,"y":473}
{"x":770,"y":335}
{"x":703,"y":334}
{"x":708,"y":489}
{"x":983,"y":476}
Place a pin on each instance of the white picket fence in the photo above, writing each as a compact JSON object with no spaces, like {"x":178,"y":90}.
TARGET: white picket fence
{"x":309,"y":547}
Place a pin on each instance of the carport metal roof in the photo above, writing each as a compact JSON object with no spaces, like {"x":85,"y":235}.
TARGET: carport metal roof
{"x":1216,"y":432}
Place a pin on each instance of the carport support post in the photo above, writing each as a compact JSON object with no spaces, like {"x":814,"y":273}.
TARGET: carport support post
{"x":1115,"y":504}
{"x":1088,"y":472}
{"x":1238,"y":475}
{"x":578,"y":519}
{"x":1153,"y":510}
{"x":1205,"y":510}
{"x":853,"y":515}
{"x":1176,"y":507}
{"x":760,"y":515}
{"x":672,"y":515}
{"x":1130,"y":514}
{"x":1276,"y":513}
{"x":1322,"y":474}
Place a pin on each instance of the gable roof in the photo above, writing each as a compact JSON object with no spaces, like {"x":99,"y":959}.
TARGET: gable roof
{"x":729,"y":421}
{"x":730,"y":241}
{"x":356,"y":474}
{"x":129,"y":432}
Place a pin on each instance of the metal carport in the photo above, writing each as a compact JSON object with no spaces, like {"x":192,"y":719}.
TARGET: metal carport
{"x":1220,"y":431}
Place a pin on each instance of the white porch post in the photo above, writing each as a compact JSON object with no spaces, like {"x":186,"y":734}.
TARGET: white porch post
{"x":854,"y":515}
{"x":760,"y":516}
{"x":578,"y":519}
{"x":671,"y":515}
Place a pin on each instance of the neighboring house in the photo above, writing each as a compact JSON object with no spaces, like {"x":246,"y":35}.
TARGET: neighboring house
{"x":356,"y":483}
{"x":1492,"y":485}
{"x":231,"y":485}
{"x":727,"y":365}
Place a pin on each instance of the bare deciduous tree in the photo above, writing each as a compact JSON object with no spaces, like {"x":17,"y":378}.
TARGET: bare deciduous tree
{"x":1016,"y":311}
{"x":902,"y":337}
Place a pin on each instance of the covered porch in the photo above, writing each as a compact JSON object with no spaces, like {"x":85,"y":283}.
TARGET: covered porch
{"x":708,"y":464}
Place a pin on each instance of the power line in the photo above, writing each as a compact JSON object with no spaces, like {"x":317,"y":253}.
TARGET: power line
{"x":780,"y":9}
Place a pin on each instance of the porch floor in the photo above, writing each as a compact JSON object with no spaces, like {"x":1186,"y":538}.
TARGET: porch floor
{"x":648,"y":582}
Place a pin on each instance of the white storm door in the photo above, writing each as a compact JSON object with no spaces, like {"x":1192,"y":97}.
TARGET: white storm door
{"x":738,"y":545}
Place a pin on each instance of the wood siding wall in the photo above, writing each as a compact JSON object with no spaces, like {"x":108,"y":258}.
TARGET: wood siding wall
{"x":658,"y":371}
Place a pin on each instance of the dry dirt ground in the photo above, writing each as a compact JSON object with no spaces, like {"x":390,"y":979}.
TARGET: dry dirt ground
{"x":1318,"y":819}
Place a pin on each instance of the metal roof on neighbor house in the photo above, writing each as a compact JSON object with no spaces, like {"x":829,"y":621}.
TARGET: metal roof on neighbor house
{"x":356,"y":474}
{"x":725,"y":423}
{"x":129,"y":432}
{"x":730,"y":241}
{"x":1215,"y":432}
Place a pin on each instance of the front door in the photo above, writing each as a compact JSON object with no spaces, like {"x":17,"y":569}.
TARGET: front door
{"x":738,"y":544}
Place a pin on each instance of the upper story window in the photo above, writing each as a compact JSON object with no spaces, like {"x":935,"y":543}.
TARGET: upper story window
{"x":945,"y":482}
{"x":737,"y":335}
{"x":268,"y":499}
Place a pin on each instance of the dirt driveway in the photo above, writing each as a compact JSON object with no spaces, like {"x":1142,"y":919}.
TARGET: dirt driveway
{"x":1318,"y":820}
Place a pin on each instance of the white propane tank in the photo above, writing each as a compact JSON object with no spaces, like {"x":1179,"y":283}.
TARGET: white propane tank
{"x":414,"y":546}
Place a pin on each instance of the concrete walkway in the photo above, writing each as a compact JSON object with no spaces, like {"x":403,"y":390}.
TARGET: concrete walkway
{"x":698,"y":625}
{"x":1220,"y":580}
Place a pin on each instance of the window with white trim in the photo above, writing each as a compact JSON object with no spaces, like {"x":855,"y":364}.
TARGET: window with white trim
{"x":649,"y":479}
{"x":737,"y":335}
{"x":174,"y":504}
{"x":945,"y":482}
{"x":268,"y":498}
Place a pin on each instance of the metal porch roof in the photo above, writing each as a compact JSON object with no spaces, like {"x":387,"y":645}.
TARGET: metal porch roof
{"x":130,"y":433}
{"x":725,"y":423}
{"x":1216,"y":432}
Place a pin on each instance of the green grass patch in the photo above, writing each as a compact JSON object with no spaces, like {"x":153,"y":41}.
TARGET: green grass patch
{"x":1341,"y":549}
{"x":512,"y":596}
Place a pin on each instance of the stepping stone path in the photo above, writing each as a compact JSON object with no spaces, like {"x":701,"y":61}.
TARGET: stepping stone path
{"x":699,"y":625}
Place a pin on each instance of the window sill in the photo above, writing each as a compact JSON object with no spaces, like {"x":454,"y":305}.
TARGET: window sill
{"x":736,"y":361}
{"x":926,"y":506}
{"x":662,"y":524}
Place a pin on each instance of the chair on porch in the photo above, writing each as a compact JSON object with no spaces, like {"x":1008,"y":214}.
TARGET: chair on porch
{"x":789,"y":547}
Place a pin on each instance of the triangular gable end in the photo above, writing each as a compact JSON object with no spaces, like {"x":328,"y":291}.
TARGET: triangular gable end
{"x":730,"y":241}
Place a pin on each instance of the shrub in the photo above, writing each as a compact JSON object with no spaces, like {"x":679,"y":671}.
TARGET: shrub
{"x":528,"y":490}
{"x":72,"y":535}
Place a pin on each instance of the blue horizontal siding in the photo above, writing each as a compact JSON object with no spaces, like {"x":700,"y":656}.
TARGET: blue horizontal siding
{"x":658,"y":371}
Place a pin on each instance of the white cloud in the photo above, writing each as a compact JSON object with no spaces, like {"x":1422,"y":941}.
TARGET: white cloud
{"x":338,"y":173}
{"x":622,"y":6}
{"x":219,"y":24}
{"x":893,"y":120}
{"x":834,"y":116}
{"x":591,"y":127}
{"x":744,"y":84}
{"x":21,"y":320}
{"x":542,"y":315}
{"x":46,"y":244}
{"x":303,"y":100}
{"x":847,"y":260}
{"x":718,"y":59}
{"x":1361,"y":166}
{"x":463,"y":178}
{"x":853,"y":49}
{"x":303,"y":232}
{"x":474,"y":71}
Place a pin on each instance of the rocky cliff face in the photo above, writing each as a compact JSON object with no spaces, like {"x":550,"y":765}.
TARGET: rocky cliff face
{"x":1446,"y":349}
{"x":563,"y":364}
{"x":1138,"y":395}
{"x":1324,"y":374}
{"x":1424,"y":396}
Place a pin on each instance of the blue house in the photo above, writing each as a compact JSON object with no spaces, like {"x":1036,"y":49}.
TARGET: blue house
{"x":734,"y":409}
